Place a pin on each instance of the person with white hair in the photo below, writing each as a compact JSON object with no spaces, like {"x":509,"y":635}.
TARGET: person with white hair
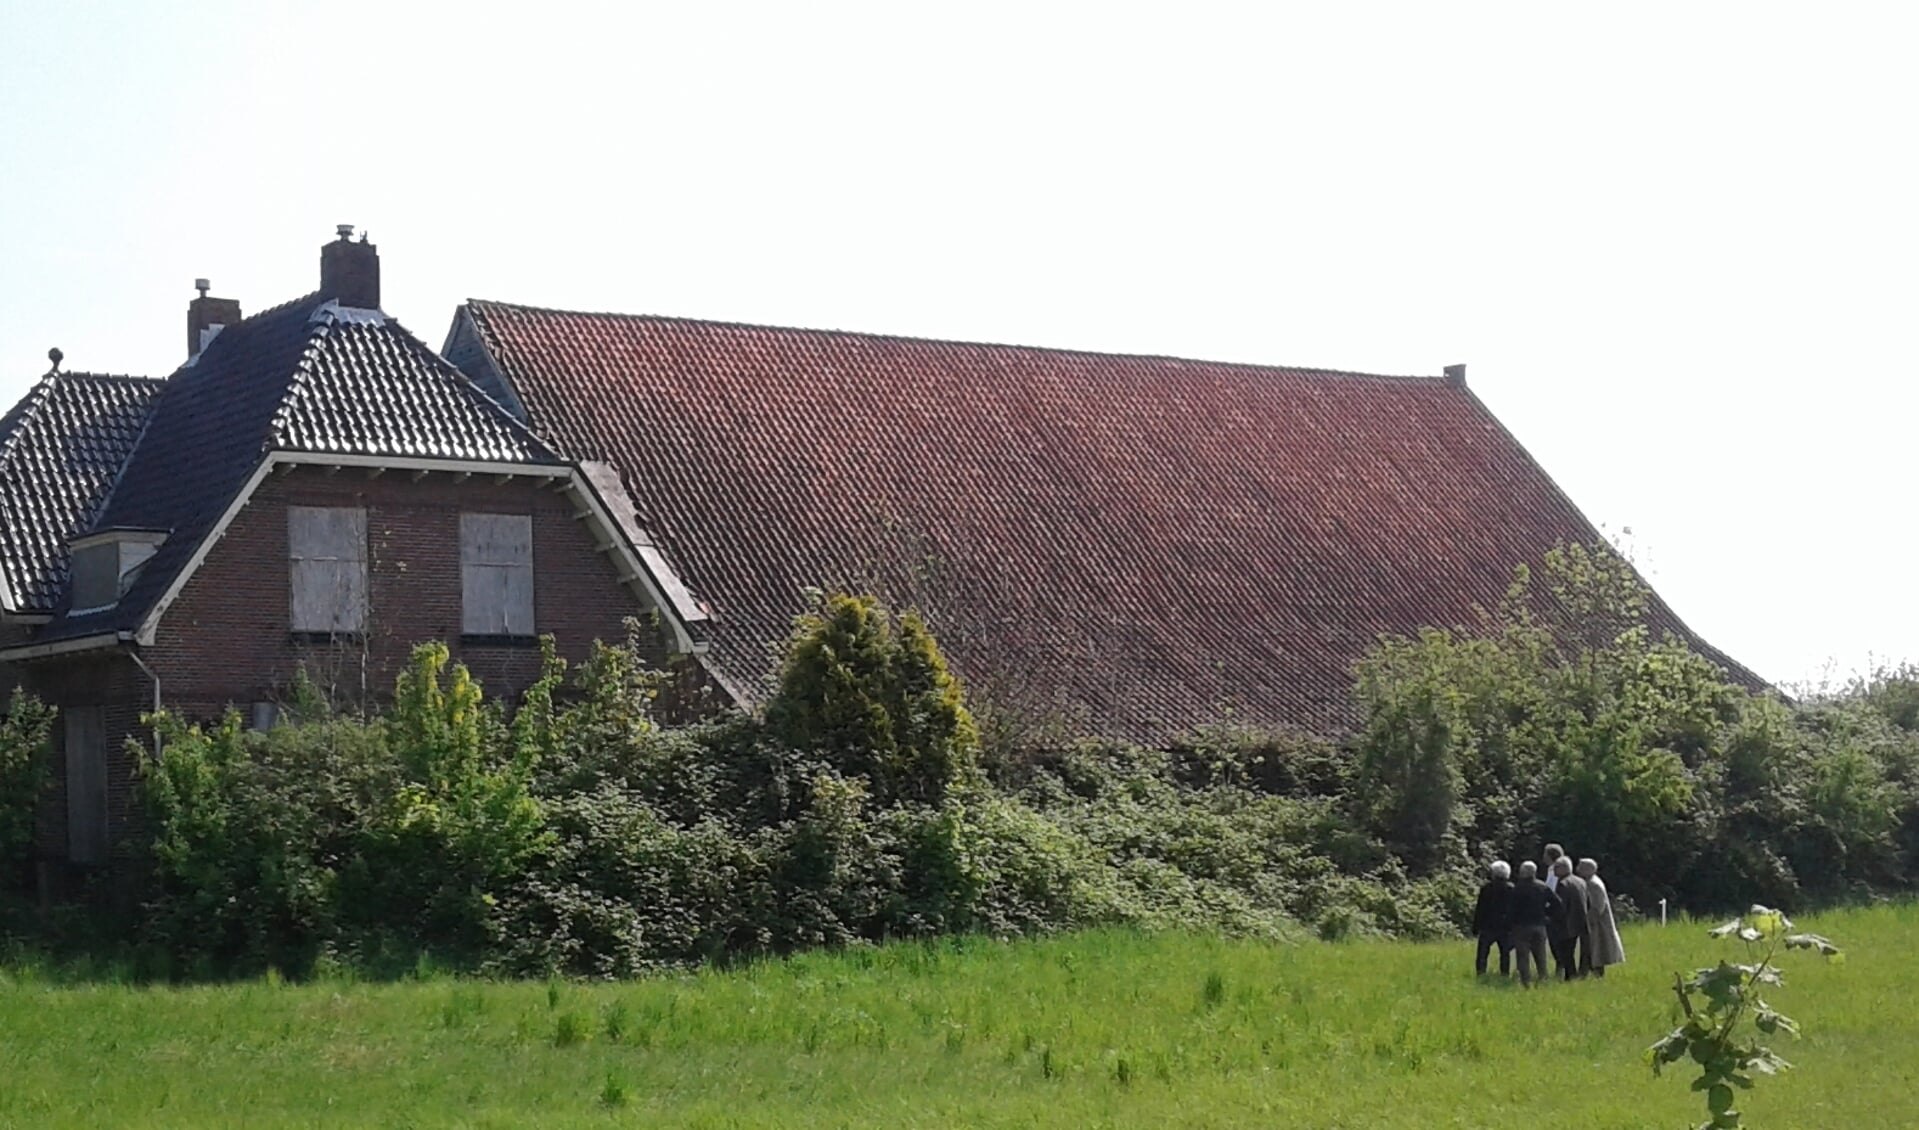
{"x":1533,"y":905}
{"x":1571,"y":939}
{"x":1604,"y":946}
{"x":1492,"y":919}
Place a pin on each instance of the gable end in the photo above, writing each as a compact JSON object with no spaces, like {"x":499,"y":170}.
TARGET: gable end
{"x":466,"y":349}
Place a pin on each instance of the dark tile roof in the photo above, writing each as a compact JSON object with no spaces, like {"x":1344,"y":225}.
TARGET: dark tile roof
{"x":61,"y":447}
{"x":1127,"y":545}
{"x":307,"y":376}
{"x":369,"y":387}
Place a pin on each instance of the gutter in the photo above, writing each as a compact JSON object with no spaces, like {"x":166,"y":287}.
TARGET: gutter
{"x":99,"y":641}
{"x":93,"y":642}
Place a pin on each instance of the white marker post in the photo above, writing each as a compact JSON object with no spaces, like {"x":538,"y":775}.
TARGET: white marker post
{"x":1662,"y":912}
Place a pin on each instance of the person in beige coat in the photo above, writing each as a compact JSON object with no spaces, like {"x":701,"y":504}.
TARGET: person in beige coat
{"x":1604,"y":943}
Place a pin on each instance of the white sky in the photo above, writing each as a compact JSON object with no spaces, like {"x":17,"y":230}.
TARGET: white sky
{"x":1676,"y":244}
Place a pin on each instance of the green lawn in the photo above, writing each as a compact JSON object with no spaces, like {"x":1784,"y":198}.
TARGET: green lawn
{"x":1102,"y":1029}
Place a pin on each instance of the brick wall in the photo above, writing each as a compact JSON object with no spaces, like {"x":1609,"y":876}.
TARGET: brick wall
{"x":109,"y":680}
{"x":227,"y":639}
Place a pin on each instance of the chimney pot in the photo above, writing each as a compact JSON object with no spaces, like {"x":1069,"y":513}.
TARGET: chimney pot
{"x":202,"y":286}
{"x":344,"y":231}
{"x":1456,"y":376}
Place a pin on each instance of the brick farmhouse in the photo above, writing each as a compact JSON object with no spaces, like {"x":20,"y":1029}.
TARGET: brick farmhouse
{"x":1114,"y":545}
{"x":314,"y":488}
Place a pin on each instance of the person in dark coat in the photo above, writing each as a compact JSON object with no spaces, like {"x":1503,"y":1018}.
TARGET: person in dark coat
{"x":1531,"y":907}
{"x":1492,"y":919}
{"x":1570,"y":933}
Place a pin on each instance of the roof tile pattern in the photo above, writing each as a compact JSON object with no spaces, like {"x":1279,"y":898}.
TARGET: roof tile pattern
{"x":61,"y":449}
{"x":1131,"y":546}
{"x":368,"y":387}
{"x":307,"y":376}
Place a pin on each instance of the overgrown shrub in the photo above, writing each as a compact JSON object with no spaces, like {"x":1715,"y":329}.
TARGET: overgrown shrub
{"x":1282,"y":763}
{"x":460,"y":825}
{"x":24,"y":767}
{"x":1575,"y":725}
{"x":250,"y":835}
{"x":577,"y":834}
{"x":621,"y":890}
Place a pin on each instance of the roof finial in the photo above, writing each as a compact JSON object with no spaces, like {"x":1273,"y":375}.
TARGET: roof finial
{"x":54,"y":355}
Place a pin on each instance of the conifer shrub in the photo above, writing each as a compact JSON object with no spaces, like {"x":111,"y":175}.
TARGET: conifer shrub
{"x":871,"y":693}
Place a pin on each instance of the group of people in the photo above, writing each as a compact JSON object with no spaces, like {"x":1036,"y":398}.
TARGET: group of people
{"x":1568,"y":911}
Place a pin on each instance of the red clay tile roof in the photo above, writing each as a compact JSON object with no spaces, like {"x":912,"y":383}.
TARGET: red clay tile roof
{"x":1132,"y":545}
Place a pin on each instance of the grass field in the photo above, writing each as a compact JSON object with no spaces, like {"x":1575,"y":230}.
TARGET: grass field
{"x":1101,"y":1029}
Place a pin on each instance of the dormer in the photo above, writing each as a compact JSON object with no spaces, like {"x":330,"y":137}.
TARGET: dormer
{"x":106,"y":563}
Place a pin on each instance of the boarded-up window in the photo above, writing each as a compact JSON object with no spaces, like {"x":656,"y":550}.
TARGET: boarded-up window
{"x":327,"y":548}
{"x":86,"y":748}
{"x":496,"y":574}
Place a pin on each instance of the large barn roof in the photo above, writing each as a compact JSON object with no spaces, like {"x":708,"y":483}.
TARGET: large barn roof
{"x":1123,"y":545}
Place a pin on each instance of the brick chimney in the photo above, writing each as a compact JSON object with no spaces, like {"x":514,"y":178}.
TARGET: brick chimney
{"x":206,"y":314}
{"x":350,"y":270}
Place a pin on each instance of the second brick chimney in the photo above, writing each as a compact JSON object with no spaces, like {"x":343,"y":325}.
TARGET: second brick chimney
{"x":206,"y":314}
{"x":350,"y":270}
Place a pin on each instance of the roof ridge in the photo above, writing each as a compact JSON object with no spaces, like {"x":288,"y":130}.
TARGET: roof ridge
{"x":299,"y":382}
{"x":84,"y":375}
{"x":271,"y":311}
{"x":971,"y":343}
{"x":282,"y":307}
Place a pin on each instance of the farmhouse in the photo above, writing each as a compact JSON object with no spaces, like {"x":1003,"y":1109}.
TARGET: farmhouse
{"x":1113,"y":545}
{"x":314,"y":488}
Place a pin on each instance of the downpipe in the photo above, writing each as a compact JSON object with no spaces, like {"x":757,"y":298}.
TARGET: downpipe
{"x":134,"y":654}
